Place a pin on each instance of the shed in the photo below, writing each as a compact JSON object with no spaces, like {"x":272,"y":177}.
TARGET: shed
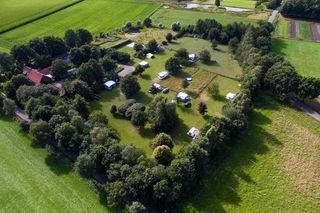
{"x":230,"y":96}
{"x":109,"y":85}
{"x":193,"y":132}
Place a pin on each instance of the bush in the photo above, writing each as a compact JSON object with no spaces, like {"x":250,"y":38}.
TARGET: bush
{"x":162,"y":139}
{"x":205,"y":56}
{"x":129,"y":86}
{"x":9,"y":107}
{"x":163,"y":155}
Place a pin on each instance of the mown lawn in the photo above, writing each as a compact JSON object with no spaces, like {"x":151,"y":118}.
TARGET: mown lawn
{"x":95,"y":15}
{"x":189,"y":117}
{"x":303,"y":55}
{"x":32,"y":181}
{"x":169,"y":16}
{"x":282,"y":28}
{"x":273,"y":168}
{"x":230,"y":3}
{"x":14,"y":12}
{"x":304,"y":30}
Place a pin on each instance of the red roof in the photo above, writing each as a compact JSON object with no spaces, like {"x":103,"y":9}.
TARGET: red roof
{"x":35,"y":77}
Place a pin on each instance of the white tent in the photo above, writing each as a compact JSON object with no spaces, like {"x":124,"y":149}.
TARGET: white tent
{"x":192,"y":57}
{"x":144,"y":63}
{"x":193,"y":132}
{"x":230,"y":96}
{"x":131,"y":45}
{"x":183,"y":96}
{"x":150,"y":55}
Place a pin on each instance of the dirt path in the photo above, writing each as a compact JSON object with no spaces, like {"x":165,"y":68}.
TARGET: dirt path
{"x":273,"y":15}
{"x":315,"y":29}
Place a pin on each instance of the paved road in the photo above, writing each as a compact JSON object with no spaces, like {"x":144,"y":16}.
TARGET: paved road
{"x":304,"y":107}
{"x":273,"y":15}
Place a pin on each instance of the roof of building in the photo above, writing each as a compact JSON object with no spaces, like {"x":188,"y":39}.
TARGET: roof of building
{"x":36,"y":77}
{"x":143,"y":63}
{"x":127,"y":70}
{"x":110,"y":83}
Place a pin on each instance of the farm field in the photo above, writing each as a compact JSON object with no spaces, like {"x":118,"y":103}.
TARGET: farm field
{"x":32,"y":181}
{"x":15,"y":12}
{"x":275,"y":167}
{"x":303,"y":55}
{"x":185,"y":17}
{"x":231,"y":3}
{"x":297,"y":29}
{"x":189,"y":117}
{"x":105,"y":15}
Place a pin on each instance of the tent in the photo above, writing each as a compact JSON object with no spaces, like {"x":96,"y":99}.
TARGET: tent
{"x":193,"y":132}
{"x":144,"y":63}
{"x":230,"y":96}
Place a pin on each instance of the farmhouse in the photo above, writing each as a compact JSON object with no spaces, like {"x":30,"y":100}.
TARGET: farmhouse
{"x":38,"y":76}
{"x":109,"y":85}
{"x":163,"y":75}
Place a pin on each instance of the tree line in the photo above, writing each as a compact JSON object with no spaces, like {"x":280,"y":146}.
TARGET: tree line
{"x":306,"y":9}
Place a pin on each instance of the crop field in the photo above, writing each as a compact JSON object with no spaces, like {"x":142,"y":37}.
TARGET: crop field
{"x":105,"y":15}
{"x":304,"y":55}
{"x":169,"y":16}
{"x":273,"y":168}
{"x":189,"y":117}
{"x":15,"y":12}
{"x":297,"y":29}
{"x":230,"y":3}
{"x":32,"y":181}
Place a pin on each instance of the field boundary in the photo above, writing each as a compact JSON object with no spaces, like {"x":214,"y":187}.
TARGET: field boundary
{"x":40,"y":17}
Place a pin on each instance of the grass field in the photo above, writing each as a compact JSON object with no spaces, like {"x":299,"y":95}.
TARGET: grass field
{"x":169,"y":16}
{"x":32,"y":181}
{"x":15,"y":12}
{"x":94,"y":15}
{"x":303,"y":55}
{"x":189,"y":117}
{"x":274,"y":168}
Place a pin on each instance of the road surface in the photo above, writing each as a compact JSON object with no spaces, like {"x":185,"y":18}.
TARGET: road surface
{"x":273,"y":15}
{"x":304,"y":107}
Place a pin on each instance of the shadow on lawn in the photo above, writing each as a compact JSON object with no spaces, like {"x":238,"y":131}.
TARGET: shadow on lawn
{"x":58,"y":164}
{"x":220,"y":185}
{"x":278,"y":45}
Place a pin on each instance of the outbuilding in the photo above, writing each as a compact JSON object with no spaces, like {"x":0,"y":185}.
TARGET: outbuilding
{"x":109,"y":85}
{"x":144,"y":64}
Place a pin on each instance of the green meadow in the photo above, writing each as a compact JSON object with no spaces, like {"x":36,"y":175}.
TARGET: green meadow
{"x":95,"y":15}
{"x":33,"y":181}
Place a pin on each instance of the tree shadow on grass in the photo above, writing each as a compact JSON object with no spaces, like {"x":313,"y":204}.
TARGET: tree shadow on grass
{"x":220,"y":185}
{"x":58,"y":164}
{"x":279,"y":45}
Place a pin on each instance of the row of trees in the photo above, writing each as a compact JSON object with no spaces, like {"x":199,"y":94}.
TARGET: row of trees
{"x":307,"y":9}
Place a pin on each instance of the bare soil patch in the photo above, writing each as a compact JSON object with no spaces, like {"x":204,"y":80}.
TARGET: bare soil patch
{"x":293,"y":29}
{"x":315,"y":29}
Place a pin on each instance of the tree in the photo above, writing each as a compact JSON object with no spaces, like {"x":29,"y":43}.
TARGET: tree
{"x":147,"y":22}
{"x":184,"y":83}
{"x":129,"y":86}
{"x":214,"y":44}
{"x":80,"y":104}
{"x":202,"y":108}
{"x":217,"y":3}
{"x":176,"y":26}
{"x":116,"y":194}
{"x":40,"y":132}
{"x":84,"y":165}
{"x":152,"y":46}
{"x":98,"y":118}
{"x":309,"y":88}
{"x":163,"y":155}
{"x":113,"y":110}
{"x":130,"y":155}
{"x":205,"y":56}
{"x":59,"y":69}
{"x":9,"y":107}
{"x":55,"y":45}
{"x":67,"y":137}
{"x":213,"y":90}
{"x":138,"y":47}
{"x":162,"y":115}
{"x":11,"y":86}
{"x":182,"y":53}
{"x":138,"y":118}
{"x":71,"y":38}
{"x":169,"y":37}
{"x":136,"y":207}
{"x":23,"y":53}
{"x":84,"y":37}
{"x":139,"y":69}
{"x":162,"y":139}
{"x":78,"y":87}
{"x":90,"y":72}
{"x":39,"y":46}
{"x":233,"y":45}
{"x":173,"y":65}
